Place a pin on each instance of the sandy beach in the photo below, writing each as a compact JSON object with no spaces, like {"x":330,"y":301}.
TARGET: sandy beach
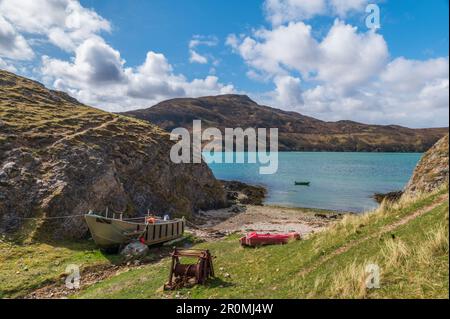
{"x":261,"y":218}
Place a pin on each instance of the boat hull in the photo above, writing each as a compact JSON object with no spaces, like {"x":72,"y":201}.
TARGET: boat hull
{"x":110,"y":233}
{"x":254,"y":239}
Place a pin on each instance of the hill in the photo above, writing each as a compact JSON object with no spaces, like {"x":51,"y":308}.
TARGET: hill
{"x":296,"y":131}
{"x":61,"y":158}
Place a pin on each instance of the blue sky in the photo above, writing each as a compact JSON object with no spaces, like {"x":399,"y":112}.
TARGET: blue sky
{"x":412,"y":29}
{"x":314,"y":57}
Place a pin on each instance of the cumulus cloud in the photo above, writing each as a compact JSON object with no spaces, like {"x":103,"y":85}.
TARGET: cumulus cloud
{"x":346,"y":75}
{"x":96,"y":73}
{"x":288,"y":91}
{"x":344,"y":58}
{"x":272,"y":51}
{"x":98,"y":76}
{"x":65,"y":23}
{"x":12,"y":44}
{"x":281,"y":11}
{"x":348,"y":58}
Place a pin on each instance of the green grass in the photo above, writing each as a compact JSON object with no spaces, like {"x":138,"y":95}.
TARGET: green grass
{"x":413,"y":265}
{"x":24,"y":267}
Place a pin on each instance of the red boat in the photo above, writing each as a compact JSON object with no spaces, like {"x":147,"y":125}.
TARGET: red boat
{"x":255,"y":239}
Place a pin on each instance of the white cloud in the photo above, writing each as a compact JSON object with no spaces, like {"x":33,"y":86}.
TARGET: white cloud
{"x":288,"y":91}
{"x":346,"y":75}
{"x":197,"y":41}
{"x":12,"y":44}
{"x":281,"y":11}
{"x":344,"y":58}
{"x":98,"y":76}
{"x":274,"y":51}
{"x":405,"y":92}
{"x":6,"y":66}
{"x":348,"y":58}
{"x":343,"y":7}
{"x":197,"y":57}
{"x":403,"y":75}
{"x":96,"y":73}
{"x":65,"y":23}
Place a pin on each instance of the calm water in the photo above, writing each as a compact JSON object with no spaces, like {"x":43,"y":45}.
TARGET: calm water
{"x":339,"y":181}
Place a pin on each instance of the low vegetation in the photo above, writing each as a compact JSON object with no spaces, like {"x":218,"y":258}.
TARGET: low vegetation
{"x":407,"y":240}
{"x":24,"y":267}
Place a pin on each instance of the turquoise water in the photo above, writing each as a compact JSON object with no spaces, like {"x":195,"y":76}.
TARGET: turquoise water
{"x":339,"y":181}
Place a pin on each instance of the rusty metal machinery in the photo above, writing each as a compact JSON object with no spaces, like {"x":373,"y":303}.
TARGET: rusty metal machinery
{"x":183,"y":274}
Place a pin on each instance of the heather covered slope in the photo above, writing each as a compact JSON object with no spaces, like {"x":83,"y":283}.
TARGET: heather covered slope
{"x":296,"y":131}
{"x":59,"y":157}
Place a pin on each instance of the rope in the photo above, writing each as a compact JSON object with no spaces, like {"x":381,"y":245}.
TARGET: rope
{"x":55,"y":217}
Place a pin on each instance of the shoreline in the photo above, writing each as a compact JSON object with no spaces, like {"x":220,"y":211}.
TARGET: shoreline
{"x":262,"y":218}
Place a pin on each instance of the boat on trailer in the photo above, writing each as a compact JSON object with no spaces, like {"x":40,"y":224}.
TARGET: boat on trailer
{"x":114,"y":231}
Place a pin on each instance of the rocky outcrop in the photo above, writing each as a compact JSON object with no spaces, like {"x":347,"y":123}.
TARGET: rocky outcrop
{"x":432,"y":170}
{"x":296,"y":132}
{"x":241,"y":193}
{"x":59,"y":158}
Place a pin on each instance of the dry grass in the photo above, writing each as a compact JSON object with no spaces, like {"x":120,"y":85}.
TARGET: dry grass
{"x":349,"y":282}
{"x":395,"y":253}
{"x":436,"y":244}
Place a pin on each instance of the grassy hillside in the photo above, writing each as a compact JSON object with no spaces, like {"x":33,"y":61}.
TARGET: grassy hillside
{"x":407,"y":240}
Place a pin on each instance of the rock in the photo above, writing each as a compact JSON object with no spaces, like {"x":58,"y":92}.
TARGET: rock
{"x":389,"y":197}
{"x":232,"y":195}
{"x":10,"y":169}
{"x":83,"y":159}
{"x":432,"y":170}
{"x":237,"y":209}
{"x":242,"y":193}
{"x":134,"y":251}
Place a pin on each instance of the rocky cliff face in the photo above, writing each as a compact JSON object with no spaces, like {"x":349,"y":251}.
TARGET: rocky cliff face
{"x":296,"y":131}
{"x":432,"y":170}
{"x":59,"y":157}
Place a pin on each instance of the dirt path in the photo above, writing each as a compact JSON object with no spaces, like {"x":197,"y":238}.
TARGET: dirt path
{"x":71,"y":136}
{"x":384,"y":230}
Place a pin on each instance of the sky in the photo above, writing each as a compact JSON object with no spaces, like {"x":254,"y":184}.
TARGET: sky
{"x":315,"y":57}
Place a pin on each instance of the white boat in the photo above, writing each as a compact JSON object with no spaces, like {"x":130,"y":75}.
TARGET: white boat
{"x":110,"y":232}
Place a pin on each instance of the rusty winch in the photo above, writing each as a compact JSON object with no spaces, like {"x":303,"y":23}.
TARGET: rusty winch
{"x":183,"y":274}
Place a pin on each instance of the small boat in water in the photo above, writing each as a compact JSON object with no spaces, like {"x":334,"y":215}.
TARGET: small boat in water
{"x":110,"y":232}
{"x":302,"y":183}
